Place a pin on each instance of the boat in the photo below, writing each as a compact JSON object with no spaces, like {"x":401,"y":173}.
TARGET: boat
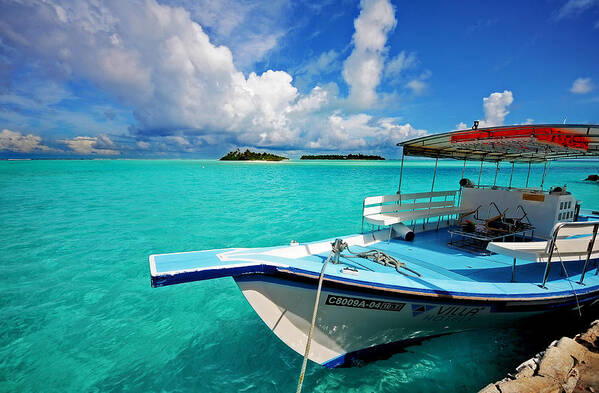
{"x":425,"y":264}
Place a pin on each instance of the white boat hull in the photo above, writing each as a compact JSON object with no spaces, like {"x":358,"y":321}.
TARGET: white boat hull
{"x":350,"y":322}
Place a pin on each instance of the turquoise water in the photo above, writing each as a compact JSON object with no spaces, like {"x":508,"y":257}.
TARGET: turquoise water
{"x":78,"y":313}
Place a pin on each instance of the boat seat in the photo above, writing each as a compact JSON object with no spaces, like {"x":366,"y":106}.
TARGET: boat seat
{"x":387,"y":210}
{"x":530,"y":251}
{"x":385,"y":219}
{"x":572,"y":248}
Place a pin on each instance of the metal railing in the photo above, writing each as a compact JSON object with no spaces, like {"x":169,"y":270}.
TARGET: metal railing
{"x":552,"y":246}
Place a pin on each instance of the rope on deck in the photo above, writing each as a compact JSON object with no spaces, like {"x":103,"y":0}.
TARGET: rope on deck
{"x":383,"y":259}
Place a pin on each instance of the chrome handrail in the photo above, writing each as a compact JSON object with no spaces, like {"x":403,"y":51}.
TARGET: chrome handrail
{"x":552,"y":247}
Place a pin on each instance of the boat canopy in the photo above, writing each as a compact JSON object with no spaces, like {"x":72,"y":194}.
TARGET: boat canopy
{"x":523,"y":143}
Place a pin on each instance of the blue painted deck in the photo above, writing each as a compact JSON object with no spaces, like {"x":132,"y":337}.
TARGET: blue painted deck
{"x":444,"y":270}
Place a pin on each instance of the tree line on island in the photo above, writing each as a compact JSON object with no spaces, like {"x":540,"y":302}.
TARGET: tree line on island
{"x":247,"y":155}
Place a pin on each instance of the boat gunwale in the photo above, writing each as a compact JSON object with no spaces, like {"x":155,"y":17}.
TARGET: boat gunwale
{"x":439,"y":293}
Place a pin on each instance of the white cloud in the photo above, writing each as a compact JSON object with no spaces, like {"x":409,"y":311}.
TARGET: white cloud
{"x":362,"y":131}
{"x":529,"y":121}
{"x":495,"y":108}
{"x":16,"y":142}
{"x":363,"y":68}
{"x":575,"y":7}
{"x":419,"y":85}
{"x":186,"y":91}
{"x":251,"y":29}
{"x":399,"y":63}
{"x":143,"y":145}
{"x":461,"y":126}
{"x":582,"y":86}
{"x":101,"y":145}
{"x":155,"y":59}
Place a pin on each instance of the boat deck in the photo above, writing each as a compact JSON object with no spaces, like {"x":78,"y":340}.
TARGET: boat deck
{"x":444,"y":270}
{"x":430,"y":256}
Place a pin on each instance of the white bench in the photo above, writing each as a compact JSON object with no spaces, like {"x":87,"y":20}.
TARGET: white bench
{"x":387,"y":210}
{"x":572,"y":241}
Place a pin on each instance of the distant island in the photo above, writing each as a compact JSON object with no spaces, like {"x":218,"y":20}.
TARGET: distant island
{"x":248,"y":155}
{"x":341,"y":157}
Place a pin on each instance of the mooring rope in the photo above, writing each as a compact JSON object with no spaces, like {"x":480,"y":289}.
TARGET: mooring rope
{"x":371,"y":255}
{"x":320,"y":279}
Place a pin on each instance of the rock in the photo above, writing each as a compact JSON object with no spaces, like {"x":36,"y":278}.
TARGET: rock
{"x":527,"y":369}
{"x":592,"y":177}
{"x":571,"y":381}
{"x":567,"y":365}
{"x":490,"y":388}
{"x":560,"y":359}
{"x":535,"y":384}
{"x":573,"y":348}
{"x":556,"y":364}
{"x":590,"y":338}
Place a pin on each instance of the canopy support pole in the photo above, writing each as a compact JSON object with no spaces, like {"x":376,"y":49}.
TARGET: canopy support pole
{"x":463,"y":169}
{"x":496,"y":172}
{"x":480,"y":172}
{"x":400,"y":173}
{"x":511,"y":175}
{"x":544,"y":173}
{"x":432,"y":189}
{"x":528,"y":174}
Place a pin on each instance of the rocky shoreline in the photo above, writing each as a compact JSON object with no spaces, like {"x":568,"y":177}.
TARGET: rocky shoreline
{"x":567,"y":365}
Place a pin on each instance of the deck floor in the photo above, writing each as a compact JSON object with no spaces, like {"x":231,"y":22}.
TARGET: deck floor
{"x":430,"y":255}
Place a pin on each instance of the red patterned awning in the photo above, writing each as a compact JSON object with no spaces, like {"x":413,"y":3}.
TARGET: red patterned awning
{"x":526,"y":143}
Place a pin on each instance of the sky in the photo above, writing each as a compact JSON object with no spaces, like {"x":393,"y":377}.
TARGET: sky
{"x":198,"y":78}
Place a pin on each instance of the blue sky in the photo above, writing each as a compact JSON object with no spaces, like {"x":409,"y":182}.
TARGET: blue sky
{"x":198,"y":78}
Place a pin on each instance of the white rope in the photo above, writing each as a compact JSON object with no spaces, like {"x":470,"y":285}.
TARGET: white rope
{"x":305,"y":363}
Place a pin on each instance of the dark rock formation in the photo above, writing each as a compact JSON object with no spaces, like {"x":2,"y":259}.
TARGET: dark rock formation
{"x":568,"y":365}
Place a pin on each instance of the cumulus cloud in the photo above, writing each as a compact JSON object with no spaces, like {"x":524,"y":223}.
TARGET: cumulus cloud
{"x":185,"y":89}
{"x":16,"y":142}
{"x":157,"y":60}
{"x":362,"y":70}
{"x":582,"y":86}
{"x":250,"y":29}
{"x":495,"y":108}
{"x":362,"y":131}
{"x":87,"y":145}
